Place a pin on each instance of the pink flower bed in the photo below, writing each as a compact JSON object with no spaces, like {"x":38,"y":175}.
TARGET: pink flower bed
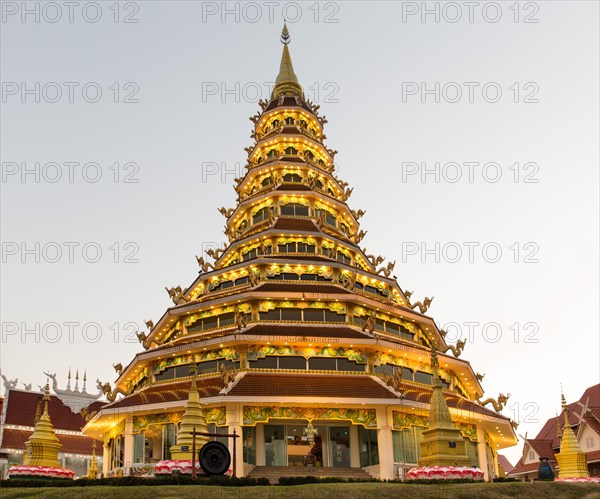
{"x":589,"y":479}
{"x":184,"y":467}
{"x":444,"y":473}
{"x":39,"y":472}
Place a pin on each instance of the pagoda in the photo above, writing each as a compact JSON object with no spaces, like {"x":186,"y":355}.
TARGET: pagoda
{"x":296,"y":331}
{"x":41,"y":460}
{"x":572,"y":462}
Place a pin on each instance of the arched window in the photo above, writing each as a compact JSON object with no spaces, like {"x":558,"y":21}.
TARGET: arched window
{"x":289,"y":120}
{"x":266,"y":181}
{"x":275,"y":123}
{"x":290,"y":150}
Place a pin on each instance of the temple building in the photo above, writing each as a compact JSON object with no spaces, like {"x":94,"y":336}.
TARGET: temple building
{"x":305,"y":343}
{"x":580,"y":420}
{"x":21,"y":408}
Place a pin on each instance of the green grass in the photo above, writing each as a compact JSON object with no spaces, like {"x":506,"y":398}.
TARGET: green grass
{"x":318,"y":491}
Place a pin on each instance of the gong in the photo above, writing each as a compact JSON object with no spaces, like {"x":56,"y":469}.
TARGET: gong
{"x":214,"y":458}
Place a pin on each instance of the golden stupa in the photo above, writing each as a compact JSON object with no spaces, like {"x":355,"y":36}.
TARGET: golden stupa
{"x":571,"y":459}
{"x":193,"y":417}
{"x":442,"y":444}
{"x":43,"y":445}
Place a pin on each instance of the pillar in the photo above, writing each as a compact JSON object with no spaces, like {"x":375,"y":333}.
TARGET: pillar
{"x":105,"y":460}
{"x":385,"y":445}
{"x":260,"y":445}
{"x":233,"y":418}
{"x":128,"y":446}
{"x":482,"y":453}
{"x":354,"y":447}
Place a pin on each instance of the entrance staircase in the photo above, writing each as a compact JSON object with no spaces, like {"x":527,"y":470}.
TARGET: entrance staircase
{"x":273,"y":473}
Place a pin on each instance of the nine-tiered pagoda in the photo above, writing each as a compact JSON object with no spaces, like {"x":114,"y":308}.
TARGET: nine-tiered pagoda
{"x":305,"y":344}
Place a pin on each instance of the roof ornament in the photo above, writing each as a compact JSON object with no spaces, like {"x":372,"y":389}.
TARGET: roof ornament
{"x":285,"y":34}
{"x":73,"y":398}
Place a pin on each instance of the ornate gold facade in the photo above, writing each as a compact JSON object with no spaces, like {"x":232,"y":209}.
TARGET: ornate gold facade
{"x":292,"y":322}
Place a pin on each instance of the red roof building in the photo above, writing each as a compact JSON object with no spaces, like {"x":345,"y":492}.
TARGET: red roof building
{"x":18,"y":410}
{"x":584,"y":417}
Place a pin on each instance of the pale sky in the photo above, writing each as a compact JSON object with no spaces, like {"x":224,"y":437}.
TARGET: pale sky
{"x":151,"y":105}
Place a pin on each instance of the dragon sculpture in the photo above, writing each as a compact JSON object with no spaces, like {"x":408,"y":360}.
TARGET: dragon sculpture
{"x":456,"y":350}
{"x":498,"y":403}
{"x":177,"y":295}
{"x":387,"y":270}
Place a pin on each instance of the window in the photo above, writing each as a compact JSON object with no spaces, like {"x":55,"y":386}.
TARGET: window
{"x":260,"y":215}
{"x":292,"y":177}
{"x":266,"y":181}
{"x":306,"y":314}
{"x":322,"y":364}
{"x":296,"y":248}
{"x":289,"y":120}
{"x":329,"y":218}
{"x":265,"y":363}
{"x":249,"y":444}
{"x":290,"y":151}
{"x":272,"y":154}
{"x":425,"y":378}
{"x":369,"y":454}
{"x":292,"y":363}
{"x":294,"y":209}
{"x":343,"y":258}
{"x":309,"y":155}
{"x":405,"y":449}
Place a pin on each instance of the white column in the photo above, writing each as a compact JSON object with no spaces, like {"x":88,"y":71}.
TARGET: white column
{"x":260,"y":444}
{"x":354,"y":447}
{"x":233,"y":417}
{"x":482,"y":453}
{"x":128,"y":445}
{"x":105,"y":460}
{"x":385,"y":445}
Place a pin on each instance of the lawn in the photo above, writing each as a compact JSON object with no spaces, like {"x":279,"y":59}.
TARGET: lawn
{"x":316,"y":491}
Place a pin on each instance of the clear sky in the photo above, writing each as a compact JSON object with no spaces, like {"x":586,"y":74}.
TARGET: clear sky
{"x":126,"y":108}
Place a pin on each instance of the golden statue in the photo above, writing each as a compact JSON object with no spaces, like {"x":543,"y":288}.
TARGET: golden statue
{"x":357,"y":238}
{"x":204,"y":266}
{"x":357,"y":214}
{"x":387,"y":270}
{"x":149,"y":325}
{"x":226,"y":212}
{"x":497,"y":404}
{"x":240,"y":318}
{"x":216,"y":253}
{"x":177,"y":294}
{"x":375,"y":260}
{"x":479,"y":377}
{"x":118,"y":368}
{"x":369,"y":324}
{"x":457,"y":350}
{"x":141,"y":336}
{"x":422,"y":306}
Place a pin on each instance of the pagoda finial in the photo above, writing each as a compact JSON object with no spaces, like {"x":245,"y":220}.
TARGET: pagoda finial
{"x":285,"y":34}
{"x":69,"y":379}
{"x":286,"y":82}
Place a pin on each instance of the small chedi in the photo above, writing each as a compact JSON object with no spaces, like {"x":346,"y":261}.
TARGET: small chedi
{"x":572,"y":463}
{"x":182,"y":451}
{"x":443,"y":449}
{"x":42,"y":450}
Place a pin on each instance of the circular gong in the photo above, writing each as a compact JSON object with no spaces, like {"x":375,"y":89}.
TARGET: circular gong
{"x":214,"y":458}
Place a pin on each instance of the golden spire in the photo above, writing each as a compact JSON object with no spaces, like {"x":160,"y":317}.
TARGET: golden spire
{"x":43,"y":445}
{"x":193,"y":417}
{"x":442,"y":443}
{"x":93,"y":469}
{"x":439,"y":414}
{"x":286,"y":82}
{"x":571,"y":459}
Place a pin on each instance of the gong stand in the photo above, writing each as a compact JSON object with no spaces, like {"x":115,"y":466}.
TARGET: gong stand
{"x":233,"y":435}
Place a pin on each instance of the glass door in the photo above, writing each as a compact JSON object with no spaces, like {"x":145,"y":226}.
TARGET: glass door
{"x":339,"y":446}
{"x":275,"y":445}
